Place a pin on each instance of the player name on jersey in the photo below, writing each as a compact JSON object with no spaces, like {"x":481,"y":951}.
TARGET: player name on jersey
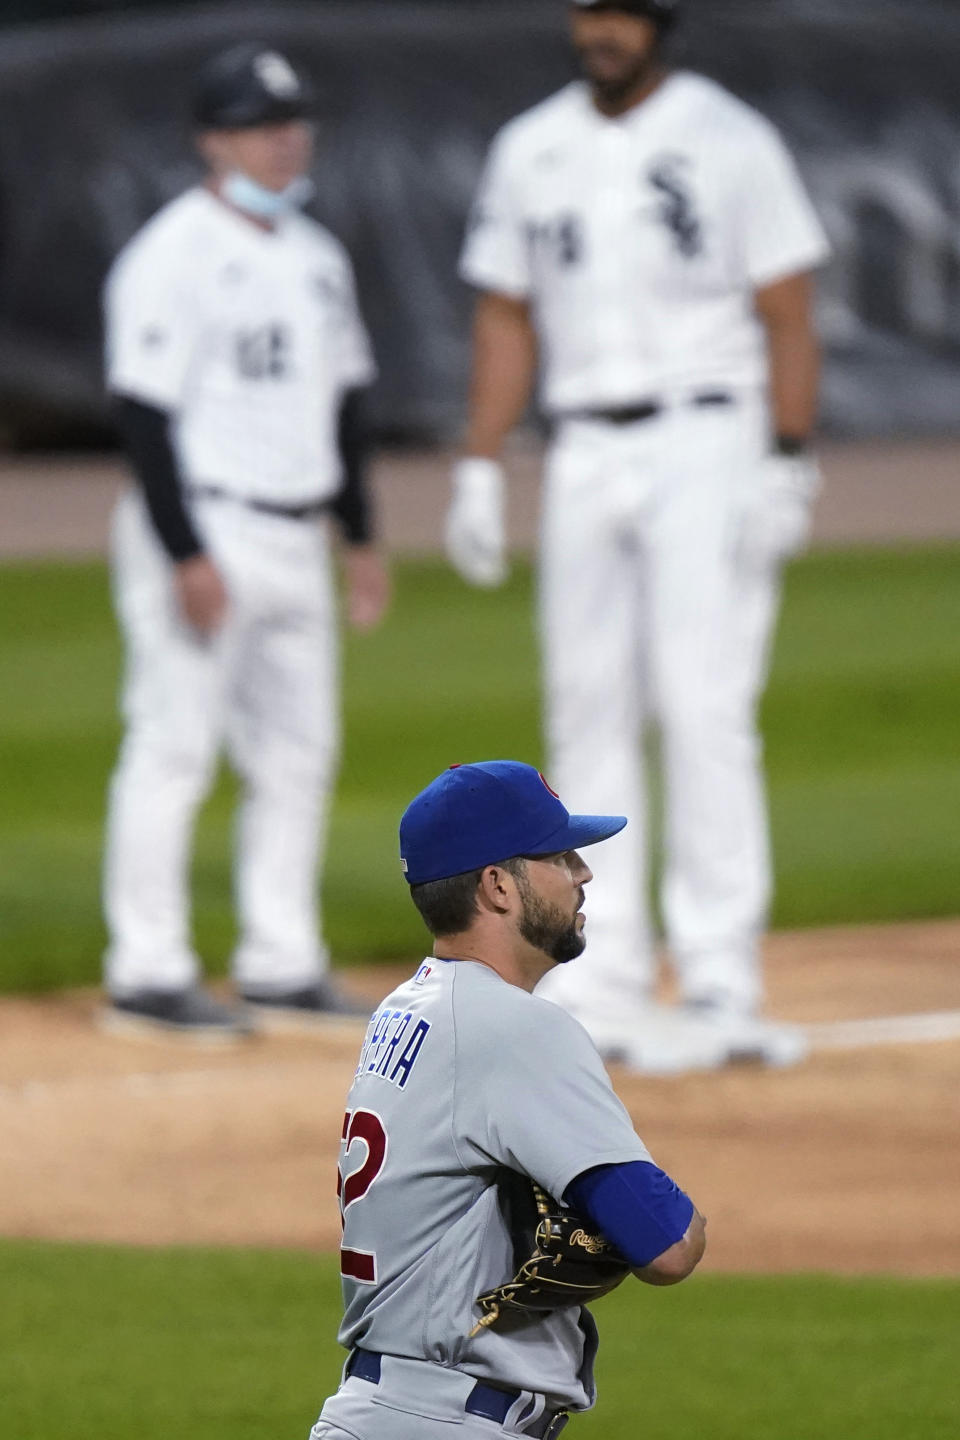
{"x":392,"y":1045}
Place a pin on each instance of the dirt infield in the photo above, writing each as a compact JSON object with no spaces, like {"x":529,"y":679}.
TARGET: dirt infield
{"x":847,"y":1163}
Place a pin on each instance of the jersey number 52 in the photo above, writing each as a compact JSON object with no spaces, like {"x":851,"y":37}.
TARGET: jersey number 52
{"x":360,"y":1127}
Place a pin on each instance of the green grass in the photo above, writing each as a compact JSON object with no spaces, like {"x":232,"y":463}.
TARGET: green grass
{"x":860,"y":717}
{"x":862,"y":738}
{"x":113,"y":1344}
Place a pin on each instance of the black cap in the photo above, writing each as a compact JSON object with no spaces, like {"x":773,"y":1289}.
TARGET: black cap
{"x":664,"y":12}
{"x":249,"y":85}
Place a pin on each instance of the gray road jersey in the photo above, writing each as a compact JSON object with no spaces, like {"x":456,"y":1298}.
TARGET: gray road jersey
{"x":463,"y":1077}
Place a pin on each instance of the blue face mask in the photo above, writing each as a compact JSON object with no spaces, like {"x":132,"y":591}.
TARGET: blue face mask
{"x":255,"y":199}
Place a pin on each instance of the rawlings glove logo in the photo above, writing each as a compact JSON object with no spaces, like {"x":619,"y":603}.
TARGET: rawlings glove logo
{"x":593,"y":1244}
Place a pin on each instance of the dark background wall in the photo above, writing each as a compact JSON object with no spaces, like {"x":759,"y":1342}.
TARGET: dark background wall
{"x":93,"y":138}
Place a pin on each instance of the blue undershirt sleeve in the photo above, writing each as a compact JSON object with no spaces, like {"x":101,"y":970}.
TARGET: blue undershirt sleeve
{"x":636,"y":1206}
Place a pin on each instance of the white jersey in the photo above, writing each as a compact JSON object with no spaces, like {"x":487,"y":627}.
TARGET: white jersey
{"x":248,"y":337}
{"x":466,"y":1084}
{"x":641,"y":240}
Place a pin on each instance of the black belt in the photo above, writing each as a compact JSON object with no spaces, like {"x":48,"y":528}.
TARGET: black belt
{"x":491,"y":1402}
{"x":644,"y":409}
{"x":308,"y":511}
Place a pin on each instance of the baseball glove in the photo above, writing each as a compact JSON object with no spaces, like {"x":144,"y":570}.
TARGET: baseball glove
{"x":570,"y":1265}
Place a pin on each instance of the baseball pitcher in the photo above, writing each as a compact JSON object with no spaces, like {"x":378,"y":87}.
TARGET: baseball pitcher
{"x":491,"y":1182}
{"x":643,"y":239}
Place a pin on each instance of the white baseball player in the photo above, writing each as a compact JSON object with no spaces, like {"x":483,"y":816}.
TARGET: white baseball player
{"x":236,"y":356}
{"x":468,"y":1087}
{"x":645,"y":236}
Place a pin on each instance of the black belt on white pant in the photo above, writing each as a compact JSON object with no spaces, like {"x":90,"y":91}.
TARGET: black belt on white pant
{"x":641,"y":410}
{"x":491,"y":1402}
{"x":309,"y":510}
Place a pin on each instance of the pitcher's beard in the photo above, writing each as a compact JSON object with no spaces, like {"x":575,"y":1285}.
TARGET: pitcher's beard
{"x":548,"y":928}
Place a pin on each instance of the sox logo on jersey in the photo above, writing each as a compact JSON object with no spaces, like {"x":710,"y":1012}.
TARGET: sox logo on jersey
{"x":678,"y":211}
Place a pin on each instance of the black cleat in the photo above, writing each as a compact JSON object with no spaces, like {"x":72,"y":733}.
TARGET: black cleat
{"x":310,"y":1006}
{"x":189,"y":1014}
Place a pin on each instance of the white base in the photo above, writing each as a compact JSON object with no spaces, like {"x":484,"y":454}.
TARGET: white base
{"x":922,"y":1029}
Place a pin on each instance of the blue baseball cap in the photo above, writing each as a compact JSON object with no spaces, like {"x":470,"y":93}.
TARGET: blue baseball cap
{"x":475,"y":815}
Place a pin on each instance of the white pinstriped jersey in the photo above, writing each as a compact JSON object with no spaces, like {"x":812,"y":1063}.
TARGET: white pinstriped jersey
{"x":641,"y":240}
{"x":463,"y":1082}
{"x":249,"y":337}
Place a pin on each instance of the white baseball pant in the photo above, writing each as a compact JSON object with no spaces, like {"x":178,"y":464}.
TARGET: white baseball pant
{"x":648,"y":613}
{"x":265,"y":688}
